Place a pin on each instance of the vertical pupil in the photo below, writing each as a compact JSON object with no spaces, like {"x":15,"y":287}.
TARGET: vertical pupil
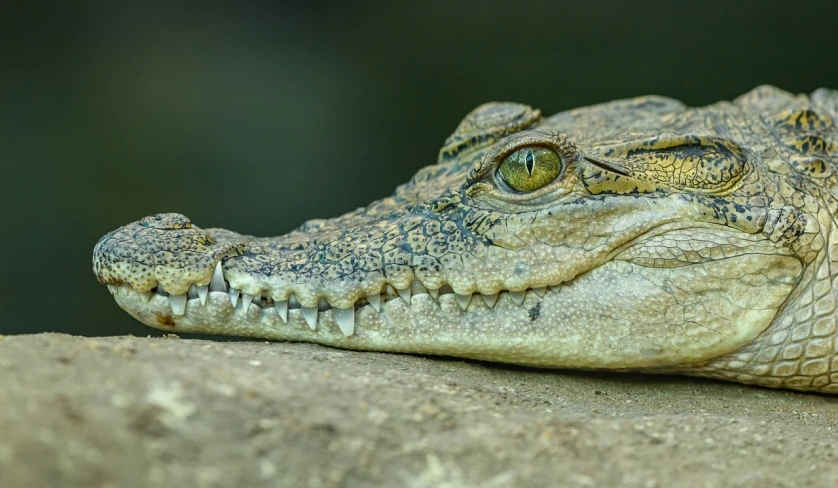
{"x":529,"y":162}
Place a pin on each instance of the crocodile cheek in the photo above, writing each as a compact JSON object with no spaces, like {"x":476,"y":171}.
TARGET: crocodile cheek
{"x":626,"y":315}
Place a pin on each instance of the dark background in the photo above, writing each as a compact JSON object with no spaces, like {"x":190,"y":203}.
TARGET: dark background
{"x":258,"y":116}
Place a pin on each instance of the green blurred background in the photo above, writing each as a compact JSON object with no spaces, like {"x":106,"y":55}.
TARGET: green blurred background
{"x":257,"y":116}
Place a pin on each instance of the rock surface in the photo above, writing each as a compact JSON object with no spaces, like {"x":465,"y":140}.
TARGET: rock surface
{"x":129,"y":411}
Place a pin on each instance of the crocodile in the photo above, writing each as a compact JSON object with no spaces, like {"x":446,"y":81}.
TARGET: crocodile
{"x":635,"y":235}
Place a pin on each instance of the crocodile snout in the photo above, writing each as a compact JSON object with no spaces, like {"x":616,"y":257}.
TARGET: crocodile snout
{"x":164,"y":250}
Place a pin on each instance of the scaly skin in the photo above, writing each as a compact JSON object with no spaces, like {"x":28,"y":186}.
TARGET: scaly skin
{"x":672,"y":239}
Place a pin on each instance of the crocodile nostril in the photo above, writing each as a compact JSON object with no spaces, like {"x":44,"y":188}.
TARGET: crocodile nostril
{"x":167,"y":221}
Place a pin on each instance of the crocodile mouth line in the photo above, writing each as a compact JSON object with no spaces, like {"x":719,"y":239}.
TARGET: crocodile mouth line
{"x":241,"y":302}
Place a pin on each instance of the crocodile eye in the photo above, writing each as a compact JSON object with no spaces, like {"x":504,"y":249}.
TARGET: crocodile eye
{"x":530,"y":168}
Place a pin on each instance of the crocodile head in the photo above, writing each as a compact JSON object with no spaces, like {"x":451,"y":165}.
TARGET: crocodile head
{"x":634,"y":234}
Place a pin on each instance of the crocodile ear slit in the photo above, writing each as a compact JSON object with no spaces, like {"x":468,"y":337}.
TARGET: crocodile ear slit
{"x":607,"y":166}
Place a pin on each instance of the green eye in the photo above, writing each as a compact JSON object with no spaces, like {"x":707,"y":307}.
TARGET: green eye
{"x":530,"y":168}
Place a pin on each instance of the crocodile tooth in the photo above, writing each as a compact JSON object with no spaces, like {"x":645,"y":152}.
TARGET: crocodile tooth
{"x":375,"y":301}
{"x":518,"y":296}
{"x":178,"y":304}
{"x":540,"y":291}
{"x":192,"y":292}
{"x":202,"y":294}
{"x":391,"y":291}
{"x":246,"y":299}
{"x":282,"y":309}
{"x":345,"y":317}
{"x":405,"y":294}
{"x":234,"y":296}
{"x":217,"y":283}
{"x":434,"y":293}
{"x":490,"y":300}
{"x":463,"y":300}
{"x":113,"y":289}
{"x":293,"y":303}
{"x":161,"y":291}
{"x":310,"y":314}
{"x":257,"y":300}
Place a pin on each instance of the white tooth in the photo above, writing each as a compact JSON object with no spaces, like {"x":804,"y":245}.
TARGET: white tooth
{"x":234,"y":296}
{"x":192,"y":292}
{"x":282,"y":309}
{"x":345,"y":317}
{"x":113,"y":289}
{"x":434,"y":293}
{"x":518,"y":296}
{"x":202,"y":294}
{"x":217,"y":283}
{"x":246,"y":299}
{"x":161,"y":291}
{"x":178,"y":303}
{"x":375,"y":301}
{"x":540,"y":291}
{"x":310,"y":314}
{"x":405,"y":294}
{"x":490,"y":300}
{"x":391,"y":291}
{"x":463,"y":300}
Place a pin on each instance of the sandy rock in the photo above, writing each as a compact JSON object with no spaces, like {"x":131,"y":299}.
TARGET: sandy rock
{"x":128,"y":411}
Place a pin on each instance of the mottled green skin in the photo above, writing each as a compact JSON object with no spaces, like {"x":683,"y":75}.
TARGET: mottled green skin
{"x":760,"y":166}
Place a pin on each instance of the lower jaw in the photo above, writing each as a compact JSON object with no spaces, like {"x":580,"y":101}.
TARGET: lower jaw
{"x":618,"y":316}
{"x":432,"y":319}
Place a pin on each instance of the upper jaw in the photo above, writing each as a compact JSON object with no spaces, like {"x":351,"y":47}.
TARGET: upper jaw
{"x":164,"y":259}
{"x":166,"y":256}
